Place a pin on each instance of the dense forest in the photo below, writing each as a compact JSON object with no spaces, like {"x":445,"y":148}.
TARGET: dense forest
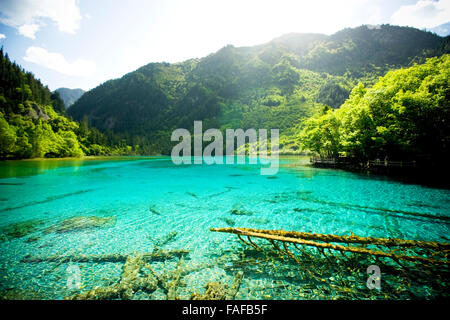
{"x":33,"y":121}
{"x":404,"y":116}
{"x":275,"y":85}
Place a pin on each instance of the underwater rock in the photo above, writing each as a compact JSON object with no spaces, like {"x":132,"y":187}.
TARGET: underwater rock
{"x":81,"y":223}
{"x":228,"y":221}
{"x":239,"y":210}
{"x":20,"y":229}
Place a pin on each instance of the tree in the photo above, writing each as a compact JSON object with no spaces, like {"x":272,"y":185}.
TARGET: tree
{"x":321,"y":135}
{"x":7,"y":137}
{"x":403,"y":116}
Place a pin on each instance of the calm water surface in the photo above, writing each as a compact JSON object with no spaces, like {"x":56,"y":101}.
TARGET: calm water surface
{"x":153,"y":202}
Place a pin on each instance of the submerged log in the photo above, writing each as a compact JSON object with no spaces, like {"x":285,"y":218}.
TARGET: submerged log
{"x":171,"y":286}
{"x":304,"y":238}
{"x":157,"y":255}
{"x":132,"y":279}
{"x":232,"y":292}
{"x":129,"y":283}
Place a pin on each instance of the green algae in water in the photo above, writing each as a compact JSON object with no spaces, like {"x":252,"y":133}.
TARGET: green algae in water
{"x":20,"y":229}
{"x":194,"y":199}
{"x":81,"y":223}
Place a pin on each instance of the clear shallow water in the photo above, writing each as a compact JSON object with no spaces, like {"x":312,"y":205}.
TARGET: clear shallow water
{"x":151,"y":198}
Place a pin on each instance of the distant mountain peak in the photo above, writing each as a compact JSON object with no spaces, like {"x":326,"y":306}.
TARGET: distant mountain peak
{"x":70,"y":96}
{"x":442,"y":30}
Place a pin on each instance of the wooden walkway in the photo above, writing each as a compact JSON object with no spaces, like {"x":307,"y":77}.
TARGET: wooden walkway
{"x":370,"y":163}
{"x":387,"y":163}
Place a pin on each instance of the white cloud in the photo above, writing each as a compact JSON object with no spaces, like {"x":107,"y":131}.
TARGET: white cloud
{"x":56,"y":61}
{"x":29,"y":30}
{"x":2,"y":36}
{"x":423,"y":14}
{"x":25,"y":13}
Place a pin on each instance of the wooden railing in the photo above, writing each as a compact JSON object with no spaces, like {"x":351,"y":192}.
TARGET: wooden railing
{"x":370,"y":163}
{"x":387,"y":163}
{"x":323,"y":160}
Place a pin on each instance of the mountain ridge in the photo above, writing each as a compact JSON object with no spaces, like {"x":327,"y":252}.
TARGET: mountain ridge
{"x":273,"y":85}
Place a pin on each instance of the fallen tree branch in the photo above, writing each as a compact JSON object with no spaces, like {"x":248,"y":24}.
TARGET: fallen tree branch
{"x":304,"y":239}
{"x":345,"y":239}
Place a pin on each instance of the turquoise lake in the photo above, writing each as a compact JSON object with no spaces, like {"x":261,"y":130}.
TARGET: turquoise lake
{"x":152,"y":202}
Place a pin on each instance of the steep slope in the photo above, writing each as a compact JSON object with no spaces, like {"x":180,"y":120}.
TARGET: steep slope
{"x":273,"y":85}
{"x":69,"y":96}
{"x":373,"y":49}
{"x":33,"y":124}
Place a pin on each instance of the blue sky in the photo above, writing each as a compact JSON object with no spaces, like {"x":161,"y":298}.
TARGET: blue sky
{"x":80,"y":44}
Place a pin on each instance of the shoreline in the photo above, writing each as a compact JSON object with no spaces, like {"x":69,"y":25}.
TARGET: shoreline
{"x":81,"y":158}
{"x":428,"y":177}
{"x":120,"y":157}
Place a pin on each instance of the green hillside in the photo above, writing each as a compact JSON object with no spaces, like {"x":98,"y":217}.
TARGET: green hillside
{"x":33,"y":122}
{"x":404,"y":116}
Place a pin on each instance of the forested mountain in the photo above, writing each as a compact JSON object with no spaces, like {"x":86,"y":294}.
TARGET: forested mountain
{"x":69,"y":96}
{"x":274,"y":85}
{"x":33,"y":121}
